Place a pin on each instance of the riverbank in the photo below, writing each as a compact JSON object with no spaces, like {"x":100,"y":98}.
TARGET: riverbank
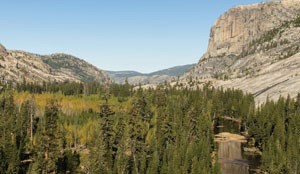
{"x":234,"y":156}
{"x":226,"y":137}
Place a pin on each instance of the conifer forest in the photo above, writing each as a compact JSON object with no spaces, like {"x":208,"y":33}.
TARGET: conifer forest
{"x":90,"y":128}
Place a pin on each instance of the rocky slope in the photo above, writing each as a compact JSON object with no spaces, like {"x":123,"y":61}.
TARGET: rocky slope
{"x":3,"y":51}
{"x":157,"y":77}
{"x":20,"y":66}
{"x":254,"y":48}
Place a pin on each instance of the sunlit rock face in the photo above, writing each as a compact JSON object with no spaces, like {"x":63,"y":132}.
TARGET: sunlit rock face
{"x":289,"y":2}
{"x":230,"y":155}
{"x":20,"y":66}
{"x":254,"y":48}
{"x":237,"y":28}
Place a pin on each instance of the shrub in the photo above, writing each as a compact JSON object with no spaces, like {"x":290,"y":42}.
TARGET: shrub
{"x":297,"y":21}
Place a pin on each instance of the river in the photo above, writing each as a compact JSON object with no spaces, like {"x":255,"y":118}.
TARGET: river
{"x":230,"y":150}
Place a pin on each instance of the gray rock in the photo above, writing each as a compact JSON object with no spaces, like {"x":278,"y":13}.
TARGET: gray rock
{"x":20,"y":66}
{"x":254,"y":48}
{"x":3,"y":51}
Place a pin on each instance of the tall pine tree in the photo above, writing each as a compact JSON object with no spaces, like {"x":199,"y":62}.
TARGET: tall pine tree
{"x":50,"y":142}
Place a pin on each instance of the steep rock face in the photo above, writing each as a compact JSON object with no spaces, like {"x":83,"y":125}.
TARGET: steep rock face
{"x":254,"y":48}
{"x":20,"y":66}
{"x":234,"y":31}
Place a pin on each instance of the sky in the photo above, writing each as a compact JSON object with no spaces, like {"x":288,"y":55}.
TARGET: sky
{"x":140,"y":35}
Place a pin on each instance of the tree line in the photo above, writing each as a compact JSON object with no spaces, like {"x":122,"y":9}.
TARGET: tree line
{"x":163,"y":130}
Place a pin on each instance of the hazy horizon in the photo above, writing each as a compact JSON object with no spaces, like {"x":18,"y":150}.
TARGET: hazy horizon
{"x":114,"y":35}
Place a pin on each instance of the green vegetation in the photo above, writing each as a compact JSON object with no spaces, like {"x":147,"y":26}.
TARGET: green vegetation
{"x":297,"y":21}
{"x":100,"y":129}
{"x":76,"y":65}
{"x":290,"y":51}
{"x":267,"y":41}
{"x":276,"y":129}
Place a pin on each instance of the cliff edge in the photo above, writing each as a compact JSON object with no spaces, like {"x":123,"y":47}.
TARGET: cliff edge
{"x":254,"y":48}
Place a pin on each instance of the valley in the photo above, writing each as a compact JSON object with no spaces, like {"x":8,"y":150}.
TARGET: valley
{"x":136,"y":78}
{"x":237,"y":111}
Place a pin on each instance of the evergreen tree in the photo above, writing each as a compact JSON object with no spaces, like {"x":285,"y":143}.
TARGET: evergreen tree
{"x":103,"y":148}
{"x":139,"y":120}
{"x":69,"y":162}
{"x":25,"y":124}
{"x":121,"y":146}
{"x":98,"y":163}
{"x":50,"y":141}
{"x":8,"y":134}
{"x":107,"y":126}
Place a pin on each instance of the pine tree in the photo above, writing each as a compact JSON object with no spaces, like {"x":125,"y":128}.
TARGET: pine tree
{"x":121,"y":146}
{"x":122,"y":158}
{"x":102,"y":153}
{"x":50,"y":141}
{"x":25,"y":134}
{"x":154,"y":164}
{"x":69,"y":162}
{"x":8,"y":134}
{"x":98,"y":163}
{"x":107,"y":130}
{"x":139,"y":120}
{"x":3,"y":161}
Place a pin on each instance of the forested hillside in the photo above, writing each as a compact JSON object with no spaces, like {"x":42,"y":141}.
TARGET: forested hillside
{"x":88,"y":128}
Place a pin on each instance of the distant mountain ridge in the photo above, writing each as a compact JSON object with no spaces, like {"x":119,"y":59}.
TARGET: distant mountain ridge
{"x":173,"y":71}
{"x":20,"y":66}
{"x":134,"y":77}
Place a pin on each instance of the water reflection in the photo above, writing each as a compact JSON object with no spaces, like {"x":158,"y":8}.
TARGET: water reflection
{"x":230,"y":155}
{"x":230,"y":149}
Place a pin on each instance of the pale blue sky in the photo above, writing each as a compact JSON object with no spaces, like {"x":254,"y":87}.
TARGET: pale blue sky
{"x":142,"y":35}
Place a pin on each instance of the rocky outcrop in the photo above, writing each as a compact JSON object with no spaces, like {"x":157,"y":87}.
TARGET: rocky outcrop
{"x":254,"y":48}
{"x":75,"y":67}
{"x":19,"y":66}
{"x":3,"y":51}
{"x":236,"y":29}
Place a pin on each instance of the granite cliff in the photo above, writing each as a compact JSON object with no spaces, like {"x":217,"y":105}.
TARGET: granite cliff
{"x":254,"y":48}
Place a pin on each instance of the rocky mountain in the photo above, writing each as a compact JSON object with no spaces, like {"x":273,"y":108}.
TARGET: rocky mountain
{"x":121,"y":76}
{"x":157,"y":77}
{"x":254,"y":48}
{"x":20,"y":66}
